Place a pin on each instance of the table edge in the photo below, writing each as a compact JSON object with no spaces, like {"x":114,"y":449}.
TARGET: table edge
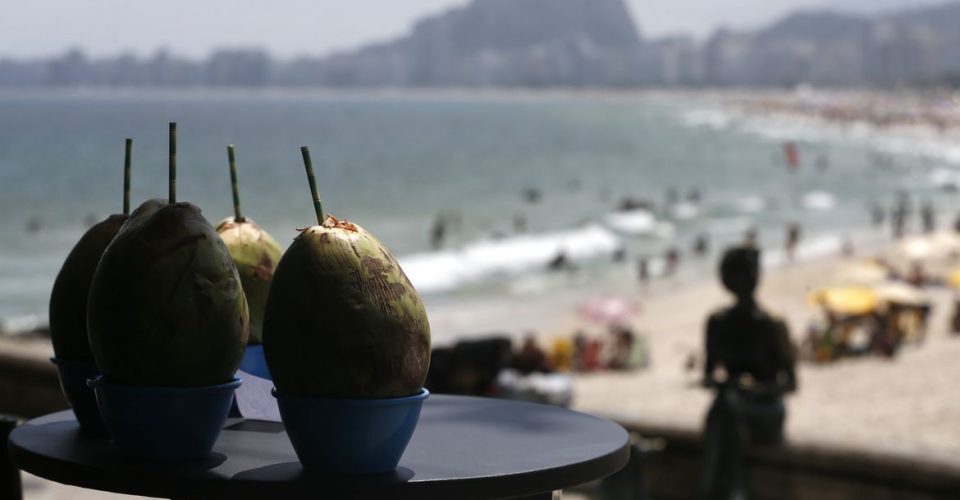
{"x":149,"y":484}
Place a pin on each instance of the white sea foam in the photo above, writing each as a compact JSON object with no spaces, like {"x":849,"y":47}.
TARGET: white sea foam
{"x":778,"y":129}
{"x":918,"y":146}
{"x":448,"y":270}
{"x":814,"y":248}
{"x":21,"y":324}
{"x":819,"y":200}
{"x":639,"y":222}
{"x":715,"y":119}
{"x":685,"y":211}
{"x":751,"y":204}
{"x":944,"y":178}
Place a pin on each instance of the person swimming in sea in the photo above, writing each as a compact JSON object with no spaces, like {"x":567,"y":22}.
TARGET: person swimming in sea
{"x":438,"y":232}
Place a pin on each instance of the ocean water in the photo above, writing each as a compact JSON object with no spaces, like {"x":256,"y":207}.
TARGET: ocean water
{"x":395,"y":163}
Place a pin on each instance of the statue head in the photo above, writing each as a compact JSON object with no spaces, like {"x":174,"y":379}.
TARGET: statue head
{"x":740,"y":271}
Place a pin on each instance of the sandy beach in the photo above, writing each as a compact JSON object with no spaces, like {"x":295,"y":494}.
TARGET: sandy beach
{"x":905,"y":406}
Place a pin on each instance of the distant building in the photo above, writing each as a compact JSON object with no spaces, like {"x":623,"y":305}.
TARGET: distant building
{"x":560,"y":43}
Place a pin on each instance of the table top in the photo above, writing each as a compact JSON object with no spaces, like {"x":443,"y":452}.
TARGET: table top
{"x":464,"y":447}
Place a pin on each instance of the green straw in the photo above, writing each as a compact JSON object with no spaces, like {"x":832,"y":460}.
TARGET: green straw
{"x":126,"y":176}
{"x":237,"y":217}
{"x":173,"y":162}
{"x":313,"y":184}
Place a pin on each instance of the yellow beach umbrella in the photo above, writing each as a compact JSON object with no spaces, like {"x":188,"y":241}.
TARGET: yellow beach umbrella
{"x":953,"y":278}
{"x":846,"y":300}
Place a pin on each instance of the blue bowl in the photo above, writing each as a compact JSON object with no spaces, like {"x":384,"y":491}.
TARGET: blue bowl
{"x":350,"y":436}
{"x":164,"y":423}
{"x":254,"y":362}
{"x":73,"y":382}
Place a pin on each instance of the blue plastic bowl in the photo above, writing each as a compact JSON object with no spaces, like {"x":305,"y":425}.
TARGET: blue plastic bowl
{"x":164,"y":423}
{"x":73,"y":382}
{"x":350,"y":436}
{"x":254,"y":362}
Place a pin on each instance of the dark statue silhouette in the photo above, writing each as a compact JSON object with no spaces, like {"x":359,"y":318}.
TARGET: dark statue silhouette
{"x":750,"y":362}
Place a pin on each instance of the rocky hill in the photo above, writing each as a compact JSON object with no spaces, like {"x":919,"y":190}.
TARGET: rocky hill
{"x":498,"y":42}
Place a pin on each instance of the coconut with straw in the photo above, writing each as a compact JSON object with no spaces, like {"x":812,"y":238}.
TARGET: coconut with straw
{"x":254,"y":252}
{"x":342,"y":320}
{"x":166,"y":307}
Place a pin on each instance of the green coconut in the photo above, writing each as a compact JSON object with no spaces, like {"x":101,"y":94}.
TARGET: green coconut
{"x":166,"y":306}
{"x":68,"y":301}
{"x":342,"y":319}
{"x":256,"y":254}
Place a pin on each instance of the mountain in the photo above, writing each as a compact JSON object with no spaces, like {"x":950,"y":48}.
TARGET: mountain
{"x":496,"y":43}
{"x":941,"y":18}
{"x":820,"y":26}
{"x":830,"y":48}
{"x":533,"y":43}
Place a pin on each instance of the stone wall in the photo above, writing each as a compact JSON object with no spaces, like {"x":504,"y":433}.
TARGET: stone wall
{"x":669,"y":458}
{"x":670,"y":468}
{"x":29,"y":386}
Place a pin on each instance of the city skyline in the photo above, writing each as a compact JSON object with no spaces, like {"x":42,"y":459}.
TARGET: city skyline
{"x":113,"y":27}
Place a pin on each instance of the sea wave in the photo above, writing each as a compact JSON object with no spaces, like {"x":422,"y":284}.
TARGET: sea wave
{"x":944,"y":178}
{"x":819,"y":200}
{"x":915,"y":141}
{"x":638,"y":222}
{"x":446,"y":270}
{"x":810,"y":249}
{"x":22,"y":324}
{"x":685,"y":211}
{"x":714,"y":119}
{"x":751,"y":204}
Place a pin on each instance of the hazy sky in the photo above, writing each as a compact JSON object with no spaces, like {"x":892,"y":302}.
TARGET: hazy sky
{"x":291,"y":27}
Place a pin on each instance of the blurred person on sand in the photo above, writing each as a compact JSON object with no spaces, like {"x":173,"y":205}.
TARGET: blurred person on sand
{"x":531,"y":358}
{"x":876,"y":215}
{"x":898,"y":216}
{"x":701,"y":245}
{"x":623,"y":339}
{"x":928,"y":217}
{"x":750,"y":362}
{"x":643,"y":269}
{"x":750,"y":237}
{"x":792,"y":240}
{"x":671,"y":259}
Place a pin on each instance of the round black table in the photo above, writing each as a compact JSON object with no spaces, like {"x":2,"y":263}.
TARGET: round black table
{"x":464,"y":448}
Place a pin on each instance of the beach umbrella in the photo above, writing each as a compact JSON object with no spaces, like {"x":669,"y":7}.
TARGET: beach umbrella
{"x":935,"y":246}
{"x":609,"y":310}
{"x":915,"y":248}
{"x":953,"y":278}
{"x":898,"y":292}
{"x":846,"y":300}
